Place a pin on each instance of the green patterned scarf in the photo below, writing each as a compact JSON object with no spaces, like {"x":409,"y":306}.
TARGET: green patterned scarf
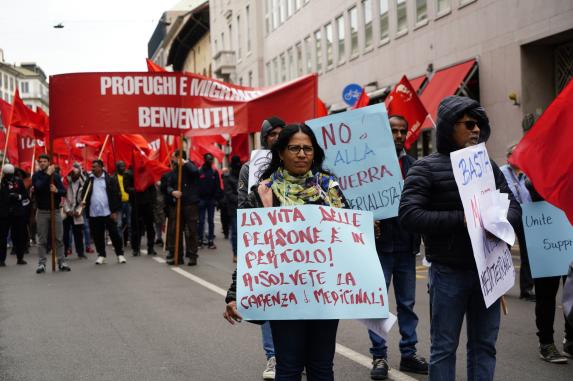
{"x":310,"y":188}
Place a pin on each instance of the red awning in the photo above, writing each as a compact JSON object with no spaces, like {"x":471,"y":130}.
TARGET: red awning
{"x":417,"y":82}
{"x":445,"y":82}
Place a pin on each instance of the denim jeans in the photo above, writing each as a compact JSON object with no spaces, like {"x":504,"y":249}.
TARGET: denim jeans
{"x":206,"y":209}
{"x":124,"y":220}
{"x":267,"y":336}
{"x":303,"y":344}
{"x":401,"y":268}
{"x":453,"y":294}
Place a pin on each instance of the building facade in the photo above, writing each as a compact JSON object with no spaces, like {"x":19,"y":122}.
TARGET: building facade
{"x":513,"y":56}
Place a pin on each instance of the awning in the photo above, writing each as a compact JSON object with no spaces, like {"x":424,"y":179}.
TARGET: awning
{"x":445,"y":82}
{"x":417,"y":82}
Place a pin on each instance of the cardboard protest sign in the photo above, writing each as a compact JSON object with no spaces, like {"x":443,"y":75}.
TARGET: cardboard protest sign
{"x":170,"y":103}
{"x":360,"y":151}
{"x":549,"y":238}
{"x":308,"y":262}
{"x":259,"y":160}
{"x":476,"y":183}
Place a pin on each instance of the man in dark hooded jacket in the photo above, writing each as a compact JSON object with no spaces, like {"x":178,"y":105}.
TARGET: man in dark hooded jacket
{"x":431,"y":205}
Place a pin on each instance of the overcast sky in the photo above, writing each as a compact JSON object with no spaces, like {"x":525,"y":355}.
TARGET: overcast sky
{"x":98,"y":35}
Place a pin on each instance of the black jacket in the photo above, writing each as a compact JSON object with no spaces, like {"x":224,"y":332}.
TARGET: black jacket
{"x":146,"y":198}
{"x":431,"y":203}
{"x":164,"y":185}
{"x":112,"y":190}
{"x":393,"y":238}
{"x":189,"y":184}
{"x":13,"y":196}
{"x":210,"y":184}
{"x":231,"y":186}
{"x":41,"y":183}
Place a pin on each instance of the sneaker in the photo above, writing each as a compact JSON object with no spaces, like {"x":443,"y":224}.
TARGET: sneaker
{"x":211,"y":245}
{"x":380,"y":369}
{"x":193,"y":262}
{"x":63,"y":266}
{"x":41,"y":269}
{"x":151,"y":251}
{"x":89,"y":250}
{"x":101,"y":260}
{"x":21,"y":262}
{"x":159,"y":242}
{"x":68,"y":252}
{"x":82,"y":256}
{"x":121,"y":259}
{"x":2,"y":264}
{"x":269,"y":372}
{"x":568,"y":348}
{"x":528,"y":296}
{"x":549,"y":353}
{"x":414,"y":364}
{"x":136,"y":253}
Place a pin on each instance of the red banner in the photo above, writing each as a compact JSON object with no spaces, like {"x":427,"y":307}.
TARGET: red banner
{"x":171,"y":103}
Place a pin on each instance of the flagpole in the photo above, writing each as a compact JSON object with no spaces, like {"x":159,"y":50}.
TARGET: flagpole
{"x":52,"y":204}
{"x":33,"y":167}
{"x":178,"y":205}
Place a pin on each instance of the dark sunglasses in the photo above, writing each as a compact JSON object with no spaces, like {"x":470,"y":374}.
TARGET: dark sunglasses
{"x":470,"y":124}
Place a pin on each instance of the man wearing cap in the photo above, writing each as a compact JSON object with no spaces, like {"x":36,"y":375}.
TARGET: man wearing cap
{"x":270,"y":131}
{"x":47,"y":184}
{"x":13,"y":199}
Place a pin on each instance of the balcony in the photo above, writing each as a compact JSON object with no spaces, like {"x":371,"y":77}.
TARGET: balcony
{"x":224,"y":63}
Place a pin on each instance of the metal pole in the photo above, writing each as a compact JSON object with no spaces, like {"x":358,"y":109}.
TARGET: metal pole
{"x":178,"y":206}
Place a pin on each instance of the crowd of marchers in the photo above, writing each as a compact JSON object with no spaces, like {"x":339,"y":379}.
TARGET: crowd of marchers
{"x":92,"y":208}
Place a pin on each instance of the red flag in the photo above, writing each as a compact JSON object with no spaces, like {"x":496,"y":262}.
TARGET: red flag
{"x":240,"y":147}
{"x":544,"y":153}
{"x":404,"y":101}
{"x":146,"y":172}
{"x":321,"y":110}
{"x":11,"y":148}
{"x":362,"y":101}
{"x":152,"y":67}
{"x":22,"y":116}
{"x":5,"y":113}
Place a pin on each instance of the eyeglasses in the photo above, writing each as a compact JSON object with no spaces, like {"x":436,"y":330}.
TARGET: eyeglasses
{"x":294,"y":149}
{"x":470,"y":124}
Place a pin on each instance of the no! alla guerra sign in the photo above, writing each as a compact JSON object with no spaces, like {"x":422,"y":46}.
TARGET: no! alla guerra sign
{"x":308,"y":262}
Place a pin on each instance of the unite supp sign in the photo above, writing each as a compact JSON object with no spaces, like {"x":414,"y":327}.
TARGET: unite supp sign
{"x":360,"y":151}
{"x":476,"y":183}
{"x":308,"y":262}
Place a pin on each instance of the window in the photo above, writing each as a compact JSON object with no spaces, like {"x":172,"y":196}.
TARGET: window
{"x":353,"y":31}
{"x":283,"y":68}
{"x":241,"y":81}
{"x":298,"y":4}
{"x":328,"y":42}
{"x":291,"y":63}
{"x":248,"y":22}
{"x":222,"y":40}
{"x":308,"y":54}
{"x":230,"y":36}
{"x":275,"y":14}
{"x":275,"y":71}
{"x":340,"y":33}
{"x":367,"y":13}
{"x":267,"y":17}
{"x":250,"y":79}
{"x":268,"y":74}
{"x":11,"y":84}
{"x":401,"y":15}
{"x":0,"y":81}
{"x":318,"y":48}
{"x":282,"y":11}
{"x":421,"y":10}
{"x":24,"y":87}
{"x":290,"y":8}
{"x":238,"y":37}
{"x":442,"y":6}
{"x":299,"y":68}
{"x":384,"y":29}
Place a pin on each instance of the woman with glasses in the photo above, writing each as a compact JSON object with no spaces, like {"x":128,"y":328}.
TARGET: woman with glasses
{"x":295,"y":176}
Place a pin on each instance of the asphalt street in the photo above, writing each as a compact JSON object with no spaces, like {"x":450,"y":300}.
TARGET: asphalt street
{"x":148,"y":321}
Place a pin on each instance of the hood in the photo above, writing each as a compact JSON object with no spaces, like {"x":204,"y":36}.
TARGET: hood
{"x":269,"y":125}
{"x":449,"y":111}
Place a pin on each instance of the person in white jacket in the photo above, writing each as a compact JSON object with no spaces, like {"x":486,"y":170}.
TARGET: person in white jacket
{"x":72,"y":212}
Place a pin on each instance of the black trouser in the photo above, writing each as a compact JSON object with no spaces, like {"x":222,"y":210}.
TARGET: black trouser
{"x":142,"y":221}
{"x":225,"y":220}
{"x":545,"y":293}
{"x":304,"y":343}
{"x":16,"y":225}
{"x":525,"y":278}
{"x":78,"y":234}
{"x":188,"y":225}
{"x":98,"y":226}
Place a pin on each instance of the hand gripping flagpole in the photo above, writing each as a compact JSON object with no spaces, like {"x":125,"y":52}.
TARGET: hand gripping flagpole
{"x":178,"y":205}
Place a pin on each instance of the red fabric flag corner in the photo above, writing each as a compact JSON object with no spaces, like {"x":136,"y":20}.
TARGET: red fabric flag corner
{"x":321,"y":109}
{"x":22,"y":116}
{"x":363,"y":101}
{"x":544,"y":153}
{"x":403,"y":100}
{"x":146,"y":172}
{"x":240,"y":147}
{"x":152,"y":67}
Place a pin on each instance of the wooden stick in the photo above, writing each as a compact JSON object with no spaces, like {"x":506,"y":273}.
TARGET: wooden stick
{"x":178,"y":206}
{"x":504,"y":305}
{"x":52,"y":209}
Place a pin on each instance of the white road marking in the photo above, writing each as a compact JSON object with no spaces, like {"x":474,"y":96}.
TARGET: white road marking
{"x":340,"y":349}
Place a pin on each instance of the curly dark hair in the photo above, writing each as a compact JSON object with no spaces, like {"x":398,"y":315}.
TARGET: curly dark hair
{"x":282,"y":143}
